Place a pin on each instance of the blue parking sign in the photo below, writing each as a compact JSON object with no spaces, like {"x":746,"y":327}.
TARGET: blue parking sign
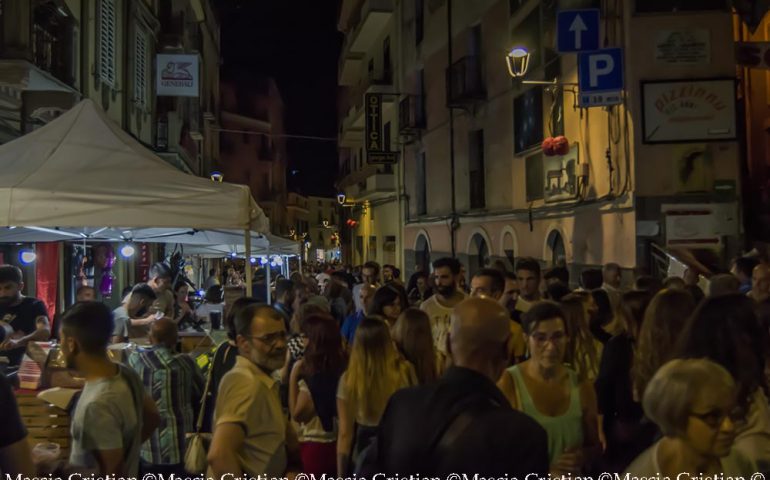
{"x":600,"y":77}
{"x":577,"y":30}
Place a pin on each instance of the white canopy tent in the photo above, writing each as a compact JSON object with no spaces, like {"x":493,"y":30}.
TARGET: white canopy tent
{"x":81,"y":176}
{"x":82,"y":170}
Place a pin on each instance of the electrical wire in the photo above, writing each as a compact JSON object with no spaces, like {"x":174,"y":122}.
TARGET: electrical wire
{"x":277,"y":135}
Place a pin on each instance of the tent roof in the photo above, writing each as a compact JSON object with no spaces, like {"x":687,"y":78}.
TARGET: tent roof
{"x":82,"y":170}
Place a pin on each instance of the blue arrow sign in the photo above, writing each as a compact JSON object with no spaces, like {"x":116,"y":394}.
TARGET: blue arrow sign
{"x":577,"y":30}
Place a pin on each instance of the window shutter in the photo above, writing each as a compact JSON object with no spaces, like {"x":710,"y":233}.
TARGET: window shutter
{"x":140,"y":67}
{"x":107,"y":42}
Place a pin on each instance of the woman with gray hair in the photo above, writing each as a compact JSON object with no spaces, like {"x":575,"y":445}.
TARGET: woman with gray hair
{"x":694,"y":403}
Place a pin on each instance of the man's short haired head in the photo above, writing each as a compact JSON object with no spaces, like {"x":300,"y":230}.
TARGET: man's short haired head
{"x":488,"y":282}
{"x":448,"y":262}
{"x":261,"y":336}
{"x":744,"y":267}
{"x":591,"y":279}
{"x":85,"y":293}
{"x":142,"y":296}
{"x":557,"y":275}
{"x":212,"y":272}
{"x":160,"y":276}
{"x":723,"y":284}
{"x":557,"y":291}
{"x":529,"y":264}
{"x":214,"y":294}
{"x":86,"y":327}
{"x":11,"y":274}
{"x":283,"y":290}
{"x":164,"y":332}
{"x":648,"y":283}
{"x":612,"y":274}
{"x":371,"y":272}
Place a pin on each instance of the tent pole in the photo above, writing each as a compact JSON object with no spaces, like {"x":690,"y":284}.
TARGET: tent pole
{"x":247,"y":263}
{"x":267,"y":277}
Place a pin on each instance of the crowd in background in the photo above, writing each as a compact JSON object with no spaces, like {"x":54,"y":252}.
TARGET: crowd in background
{"x":523,"y":371}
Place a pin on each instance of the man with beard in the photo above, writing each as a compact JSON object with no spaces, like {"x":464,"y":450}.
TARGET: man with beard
{"x":113,"y":415}
{"x":251,"y":433}
{"x":22,"y":319}
{"x":439,"y":307}
{"x":131,"y":312}
{"x":370,"y":275}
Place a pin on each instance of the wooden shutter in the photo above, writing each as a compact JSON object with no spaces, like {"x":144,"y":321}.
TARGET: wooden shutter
{"x":140,"y":67}
{"x":108,"y":24}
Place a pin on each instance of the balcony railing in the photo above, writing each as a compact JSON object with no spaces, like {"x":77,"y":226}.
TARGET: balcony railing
{"x":411,"y":114}
{"x":464,"y":82}
{"x":51,"y":51}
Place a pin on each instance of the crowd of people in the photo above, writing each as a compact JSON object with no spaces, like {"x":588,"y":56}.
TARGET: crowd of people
{"x":353,"y":371}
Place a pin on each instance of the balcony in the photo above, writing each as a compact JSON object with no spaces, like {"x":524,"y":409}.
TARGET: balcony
{"x":411,"y":114}
{"x":352,"y":125}
{"x":367,"y":24}
{"x":371,"y":183}
{"x":350,"y":66}
{"x":464,"y":82}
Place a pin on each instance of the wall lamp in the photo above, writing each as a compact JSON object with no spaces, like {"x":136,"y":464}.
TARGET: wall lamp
{"x":517,"y":61}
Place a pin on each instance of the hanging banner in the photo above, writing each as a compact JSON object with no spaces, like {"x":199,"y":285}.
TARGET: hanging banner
{"x":753,"y":54}
{"x":177,"y":75}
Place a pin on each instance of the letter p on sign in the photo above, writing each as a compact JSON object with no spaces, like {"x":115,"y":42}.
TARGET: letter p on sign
{"x":599,"y":66}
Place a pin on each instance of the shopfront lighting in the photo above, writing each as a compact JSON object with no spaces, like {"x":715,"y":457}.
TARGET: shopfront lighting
{"x":253,"y":261}
{"x":518,"y":62}
{"x":27,"y":256}
{"x":127,"y":251}
{"x":233,"y":255}
{"x":263,"y":260}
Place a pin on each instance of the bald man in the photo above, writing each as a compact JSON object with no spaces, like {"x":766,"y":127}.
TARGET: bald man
{"x":462,"y":423}
{"x":760,"y":283}
{"x":176,"y":384}
{"x":349,"y":326}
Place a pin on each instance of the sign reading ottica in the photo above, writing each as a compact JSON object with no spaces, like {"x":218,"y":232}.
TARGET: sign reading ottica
{"x":177,"y":75}
{"x":375,"y":147}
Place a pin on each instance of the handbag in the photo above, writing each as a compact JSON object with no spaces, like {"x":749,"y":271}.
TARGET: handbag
{"x":197,"y":446}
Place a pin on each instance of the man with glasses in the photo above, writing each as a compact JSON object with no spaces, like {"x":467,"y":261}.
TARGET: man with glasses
{"x":251,"y":433}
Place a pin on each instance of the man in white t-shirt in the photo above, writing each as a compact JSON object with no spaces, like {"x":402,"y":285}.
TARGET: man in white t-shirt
{"x":370,"y":275}
{"x":439,"y":307}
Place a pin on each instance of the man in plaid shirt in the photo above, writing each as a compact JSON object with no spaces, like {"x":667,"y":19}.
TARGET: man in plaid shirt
{"x":176,"y":384}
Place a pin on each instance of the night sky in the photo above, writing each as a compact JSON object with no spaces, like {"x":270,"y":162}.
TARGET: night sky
{"x":297,"y":43}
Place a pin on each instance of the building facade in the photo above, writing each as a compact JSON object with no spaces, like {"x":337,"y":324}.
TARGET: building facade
{"x":477,"y":182}
{"x":367,"y":64}
{"x":252,"y":146}
{"x":323,"y":229}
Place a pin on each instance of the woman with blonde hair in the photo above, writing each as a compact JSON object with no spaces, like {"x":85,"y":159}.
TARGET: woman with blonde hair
{"x":583,"y":350}
{"x":664,"y":320}
{"x":414,"y":340}
{"x":375,"y":371}
{"x":693,"y":402}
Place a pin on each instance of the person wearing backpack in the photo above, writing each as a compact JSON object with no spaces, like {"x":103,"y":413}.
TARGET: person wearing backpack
{"x":462,"y":423}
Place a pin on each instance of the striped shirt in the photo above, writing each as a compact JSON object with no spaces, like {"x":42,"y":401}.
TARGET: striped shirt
{"x":176,"y":384}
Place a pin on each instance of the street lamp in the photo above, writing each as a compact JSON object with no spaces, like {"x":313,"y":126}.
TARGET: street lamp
{"x":326,"y":223}
{"x":217,"y":177}
{"x":341,"y":197}
{"x":517,"y":61}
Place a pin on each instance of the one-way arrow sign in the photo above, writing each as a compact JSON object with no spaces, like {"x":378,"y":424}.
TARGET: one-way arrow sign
{"x":577,"y":30}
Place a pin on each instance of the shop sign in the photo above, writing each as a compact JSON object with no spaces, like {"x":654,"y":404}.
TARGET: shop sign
{"x":688,"y":110}
{"x":177,"y":75}
{"x":683,"y":47}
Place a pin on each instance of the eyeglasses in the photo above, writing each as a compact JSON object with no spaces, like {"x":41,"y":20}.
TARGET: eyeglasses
{"x":715,"y":418}
{"x":542,"y":338}
{"x":271,"y":339}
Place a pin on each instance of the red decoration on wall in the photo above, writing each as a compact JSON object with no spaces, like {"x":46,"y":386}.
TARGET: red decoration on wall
{"x":548,"y":147}
{"x":561,"y":145}
{"x":47,"y":276}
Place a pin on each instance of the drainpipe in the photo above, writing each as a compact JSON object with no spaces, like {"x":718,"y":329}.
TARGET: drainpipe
{"x":454,"y":225}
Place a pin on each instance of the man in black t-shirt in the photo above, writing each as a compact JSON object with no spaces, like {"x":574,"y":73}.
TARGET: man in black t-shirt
{"x":15,"y":455}
{"x":25,"y":317}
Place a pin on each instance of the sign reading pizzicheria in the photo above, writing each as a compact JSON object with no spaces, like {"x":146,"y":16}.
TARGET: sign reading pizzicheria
{"x":177,"y":75}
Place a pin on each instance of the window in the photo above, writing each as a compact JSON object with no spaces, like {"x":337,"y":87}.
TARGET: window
{"x":655,"y":6}
{"x":387,"y":73}
{"x":421,"y":106}
{"x":419,"y":21}
{"x":527,"y":120}
{"x":556,"y":246}
{"x":140,"y":67}
{"x":534,"y":173}
{"x":476,"y":169}
{"x":386,"y":136}
{"x":107,"y":42}
{"x":371,"y":69}
{"x":371,"y":253}
{"x":422,"y":201}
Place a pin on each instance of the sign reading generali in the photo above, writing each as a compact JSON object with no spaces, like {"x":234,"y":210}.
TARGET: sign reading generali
{"x":177,"y":75}
{"x":688,"y":110}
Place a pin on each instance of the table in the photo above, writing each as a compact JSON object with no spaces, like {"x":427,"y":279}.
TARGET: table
{"x":44,"y":422}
